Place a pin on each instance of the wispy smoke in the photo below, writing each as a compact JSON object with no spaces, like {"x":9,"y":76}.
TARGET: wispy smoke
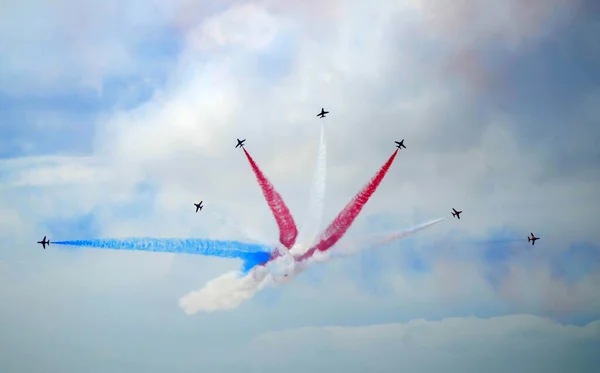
{"x":225,"y":292}
{"x":232,"y":289}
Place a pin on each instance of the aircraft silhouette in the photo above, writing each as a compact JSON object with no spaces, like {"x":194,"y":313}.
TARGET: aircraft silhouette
{"x":198,"y":206}
{"x":532,"y":239}
{"x":43,"y":242}
{"x":455,"y":213}
{"x":240,"y":143}
{"x":400,"y":144}
{"x":322,"y":113}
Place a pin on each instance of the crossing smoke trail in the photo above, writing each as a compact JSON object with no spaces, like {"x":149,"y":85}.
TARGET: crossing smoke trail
{"x":310,"y":230}
{"x":230,"y":290}
{"x":344,"y":220}
{"x":251,"y":254}
{"x":287,"y":227}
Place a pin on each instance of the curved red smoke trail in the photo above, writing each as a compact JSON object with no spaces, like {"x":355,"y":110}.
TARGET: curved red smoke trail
{"x":287,"y":227}
{"x":344,"y":220}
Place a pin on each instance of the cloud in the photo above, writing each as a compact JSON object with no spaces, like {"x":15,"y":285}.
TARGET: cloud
{"x":55,"y":49}
{"x":496,"y":101}
{"x":463,"y":152}
{"x":248,"y":26}
{"x":481,"y":36}
{"x":499,"y":344}
{"x":512,"y":22}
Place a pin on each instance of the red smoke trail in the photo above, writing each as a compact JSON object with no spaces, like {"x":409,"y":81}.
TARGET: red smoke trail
{"x":287,"y":227}
{"x":344,"y":220}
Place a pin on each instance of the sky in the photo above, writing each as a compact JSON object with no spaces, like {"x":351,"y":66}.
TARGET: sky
{"x":115,"y":118}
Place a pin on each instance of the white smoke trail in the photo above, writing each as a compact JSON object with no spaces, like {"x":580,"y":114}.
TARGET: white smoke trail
{"x":374,"y":241}
{"x":230,"y":290}
{"x":225,"y":292}
{"x":314,"y":213}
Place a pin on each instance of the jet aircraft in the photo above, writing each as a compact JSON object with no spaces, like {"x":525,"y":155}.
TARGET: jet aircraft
{"x":198,"y":206}
{"x":322,"y":113}
{"x":400,"y":144}
{"x":43,"y":242}
{"x":532,"y":239}
{"x":456,"y":214}
{"x":240,"y":143}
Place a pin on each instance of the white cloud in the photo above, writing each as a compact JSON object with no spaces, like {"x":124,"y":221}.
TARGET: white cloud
{"x":385,"y":71}
{"x":35,"y":62}
{"x":380,"y":72}
{"x":536,"y":286}
{"x":247,"y":26}
{"x":500,"y":344}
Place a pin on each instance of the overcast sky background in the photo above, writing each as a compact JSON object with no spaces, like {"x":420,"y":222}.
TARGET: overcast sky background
{"x":115,"y":118}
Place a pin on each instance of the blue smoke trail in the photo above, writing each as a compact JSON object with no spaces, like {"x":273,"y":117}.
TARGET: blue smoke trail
{"x":500,"y":235}
{"x":251,"y":254}
{"x":502,"y":240}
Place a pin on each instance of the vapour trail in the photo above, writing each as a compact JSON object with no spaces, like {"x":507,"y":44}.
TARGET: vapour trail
{"x":287,"y":227}
{"x":501,"y":240}
{"x":346,"y":217}
{"x":374,"y":241}
{"x":231,"y":289}
{"x":314,"y":213}
{"x":252,"y":254}
{"x":390,"y":237}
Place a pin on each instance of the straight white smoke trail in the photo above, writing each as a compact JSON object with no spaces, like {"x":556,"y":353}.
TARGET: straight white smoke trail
{"x":314,"y":213}
{"x":230,"y":290}
{"x":378,"y":240}
{"x":387,"y":238}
